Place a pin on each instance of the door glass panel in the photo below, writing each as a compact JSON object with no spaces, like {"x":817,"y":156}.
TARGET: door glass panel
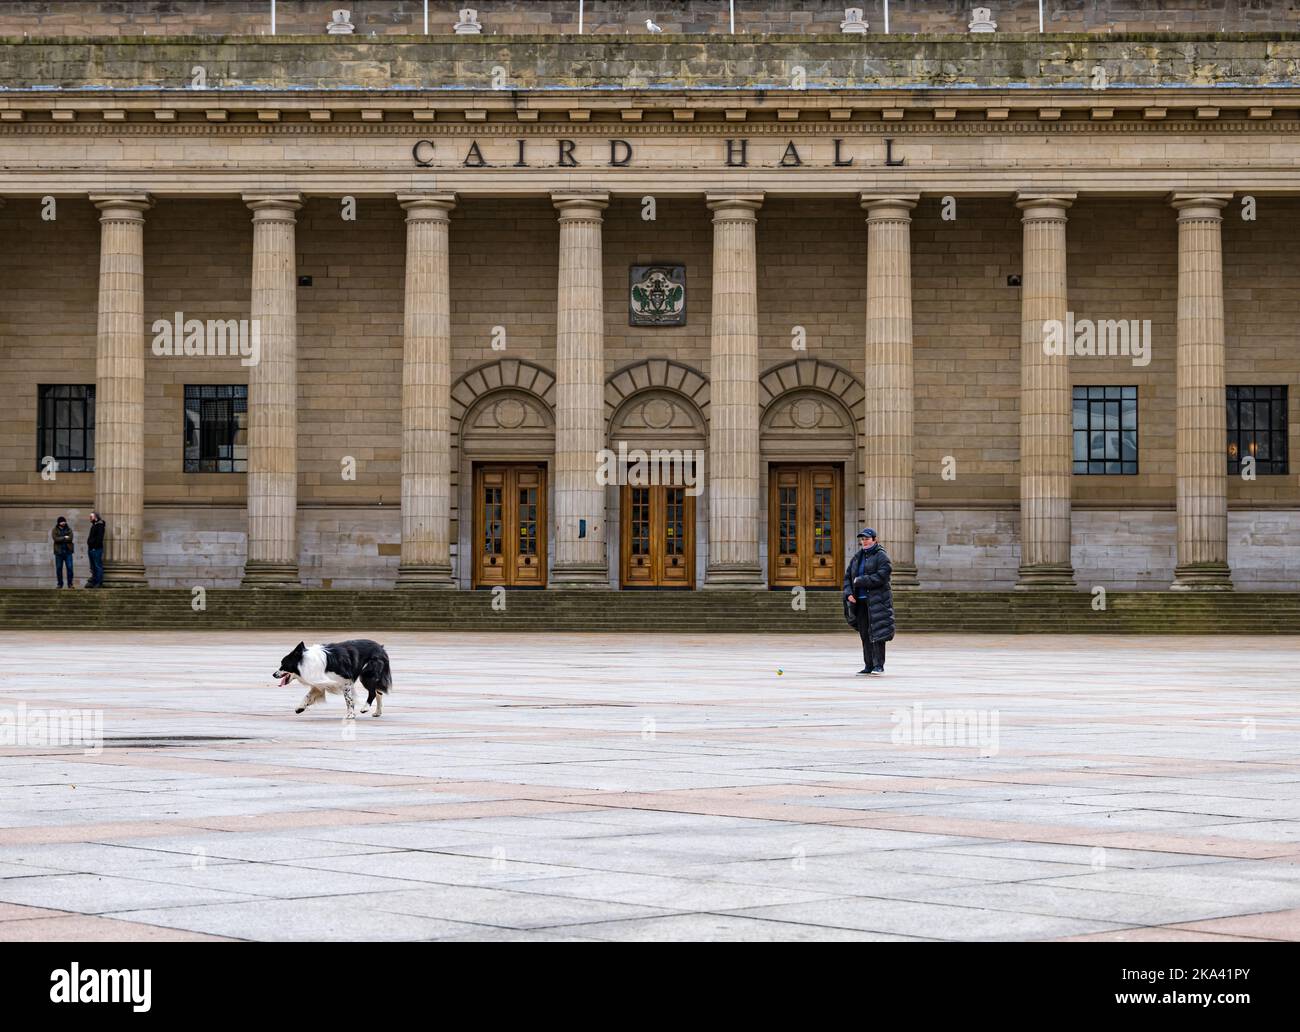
{"x":789,"y":520}
{"x":674,"y":519}
{"x":821,"y":521}
{"x":492,"y":521}
{"x":640,"y":521}
{"x":528,"y":521}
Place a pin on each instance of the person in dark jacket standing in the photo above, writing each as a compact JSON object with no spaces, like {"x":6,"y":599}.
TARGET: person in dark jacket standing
{"x":95,"y":550}
{"x":866,"y":586}
{"x":62,"y":536}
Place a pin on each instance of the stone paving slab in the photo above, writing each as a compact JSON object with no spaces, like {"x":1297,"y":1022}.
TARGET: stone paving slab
{"x":588,"y":787}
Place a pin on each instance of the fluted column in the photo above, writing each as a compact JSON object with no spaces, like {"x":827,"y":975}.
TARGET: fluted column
{"x":119,"y":387}
{"x":733,"y":473}
{"x":1046,"y":435}
{"x":890,"y":500}
{"x":426,"y":394}
{"x":580,"y":394}
{"x":1201,"y":466}
{"x":273,"y":396}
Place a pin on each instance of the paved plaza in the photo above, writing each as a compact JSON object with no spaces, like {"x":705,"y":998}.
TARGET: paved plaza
{"x":606,"y":787}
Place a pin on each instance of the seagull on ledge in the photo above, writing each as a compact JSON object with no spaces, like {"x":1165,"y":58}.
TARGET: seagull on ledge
{"x":652,"y":26}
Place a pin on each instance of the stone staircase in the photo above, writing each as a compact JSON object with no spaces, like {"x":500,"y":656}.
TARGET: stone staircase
{"x":373,"y":612}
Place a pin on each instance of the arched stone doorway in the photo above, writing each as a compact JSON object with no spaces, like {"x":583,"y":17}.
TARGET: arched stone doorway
{"x":810,"y":471}
{"x":658,"y":435}
{"x":503,"y":445}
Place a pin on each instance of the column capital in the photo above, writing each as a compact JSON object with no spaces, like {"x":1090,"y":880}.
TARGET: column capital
{"x":427,"y":206}
{"x":580,"y":204}
{"x":1044,"y":204}
{"x":1192,"y":205}
{"x":888,"y":206}
{"x":126,"y":205}
{"x":273,"y":205}
{"x":739,"y":206}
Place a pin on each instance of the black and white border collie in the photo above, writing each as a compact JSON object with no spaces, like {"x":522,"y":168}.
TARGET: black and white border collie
{"x":334,"y":668}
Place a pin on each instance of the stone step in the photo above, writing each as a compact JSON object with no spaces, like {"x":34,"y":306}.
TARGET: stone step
{"x":1004,"y":612}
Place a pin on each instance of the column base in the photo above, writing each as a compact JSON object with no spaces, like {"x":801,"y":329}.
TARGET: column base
{"x":270,"y":575}
{"x":904,"y":576}
{"x":125,"y":575}
{"x":425,"y":575}
{"x":579,"y":575}
{"x":1046,"y":577}
{"x":734,"y":575}
{"x":1202,"y":577}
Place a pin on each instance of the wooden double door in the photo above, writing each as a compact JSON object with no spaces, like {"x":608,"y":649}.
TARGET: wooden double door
{"x":805,"y":526}
{"x":657,"y":537}
{"x":510,"y":526}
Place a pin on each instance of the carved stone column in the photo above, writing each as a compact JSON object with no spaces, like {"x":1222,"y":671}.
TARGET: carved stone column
{"x":581,"y":559}
{"x":1201,"y":426}
{"x":1046,"y":434}
{"x":890,"y":495}
{"x":119,"y":387}
{"x":733,"y":473}
{"x":273,"y":396}
{"x":426,"y":394}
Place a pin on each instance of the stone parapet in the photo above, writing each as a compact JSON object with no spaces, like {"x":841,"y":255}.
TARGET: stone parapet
{"x":798,"y":63}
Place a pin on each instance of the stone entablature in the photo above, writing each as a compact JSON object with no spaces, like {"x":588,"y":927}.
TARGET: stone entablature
{"x":1241,"y":155}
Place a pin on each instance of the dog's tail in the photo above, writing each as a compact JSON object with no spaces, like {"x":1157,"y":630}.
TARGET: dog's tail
{"x":376,"y":675}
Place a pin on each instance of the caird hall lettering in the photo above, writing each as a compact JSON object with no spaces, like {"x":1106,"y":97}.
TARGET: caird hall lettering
{"x":736,"y":152}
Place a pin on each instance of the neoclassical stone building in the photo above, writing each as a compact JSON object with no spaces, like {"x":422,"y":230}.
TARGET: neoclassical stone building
{"x":357,"y":311}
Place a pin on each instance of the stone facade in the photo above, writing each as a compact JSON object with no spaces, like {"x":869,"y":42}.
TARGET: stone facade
{"x":882,"y":318}
{"x":513,"y":17}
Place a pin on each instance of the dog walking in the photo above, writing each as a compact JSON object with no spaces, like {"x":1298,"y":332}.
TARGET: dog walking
{"x":869,"y":600}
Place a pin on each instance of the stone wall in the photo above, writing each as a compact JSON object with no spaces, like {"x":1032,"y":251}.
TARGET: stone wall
{"x":189,"y":546}
{"x":502,"y":17}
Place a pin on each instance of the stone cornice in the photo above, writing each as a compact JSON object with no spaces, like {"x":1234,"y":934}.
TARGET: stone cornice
{"x":550,"y":130}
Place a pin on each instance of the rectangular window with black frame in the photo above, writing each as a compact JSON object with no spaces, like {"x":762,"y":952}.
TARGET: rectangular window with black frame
{"x":216,"y":428}
{"x":65,"y":427}
{"x":1106,"y":430}
{"x":1257,"y":429}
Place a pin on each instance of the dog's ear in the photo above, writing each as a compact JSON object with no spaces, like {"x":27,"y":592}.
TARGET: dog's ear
{"x":302,"y":647}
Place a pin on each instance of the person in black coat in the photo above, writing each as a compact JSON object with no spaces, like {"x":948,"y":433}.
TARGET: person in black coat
{"x":95,"y":551}
{"x":62,"y":539}
{"x":866,"y":588}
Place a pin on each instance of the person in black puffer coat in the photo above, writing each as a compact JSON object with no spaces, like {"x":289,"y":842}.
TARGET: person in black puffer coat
{"x":866,"y":588}
{"x":62,"y":539}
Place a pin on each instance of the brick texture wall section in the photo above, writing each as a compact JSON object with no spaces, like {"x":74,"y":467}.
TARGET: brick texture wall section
{"x":188,"y":546}
{"x":504,"y":17}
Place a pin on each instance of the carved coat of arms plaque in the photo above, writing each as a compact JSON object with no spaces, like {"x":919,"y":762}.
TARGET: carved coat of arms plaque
{"x":657,"y":296}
